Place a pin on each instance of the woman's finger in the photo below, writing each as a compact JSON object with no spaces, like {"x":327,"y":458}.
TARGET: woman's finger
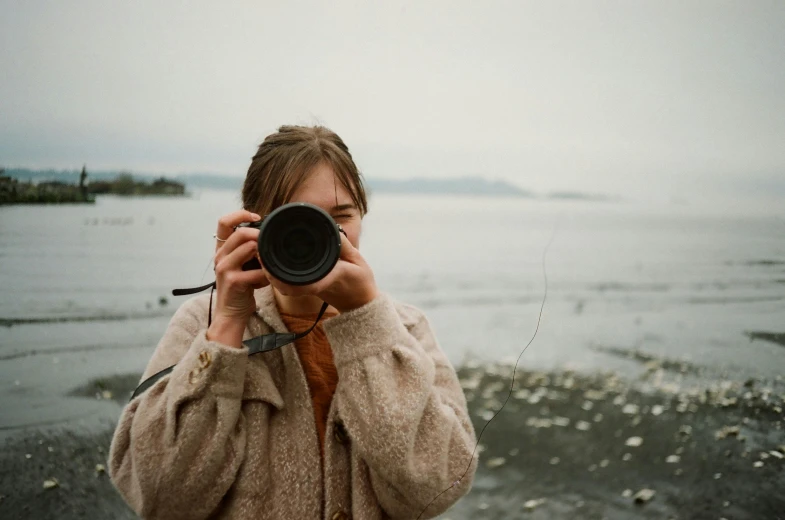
{"x":256,"y":278}
{"x":348,"y":252}
{"x":235,"y":240}
{"x":228,"y":222}
{"x":234,"y":259}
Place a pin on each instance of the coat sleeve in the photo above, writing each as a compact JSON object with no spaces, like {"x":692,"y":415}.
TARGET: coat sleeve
{"x":178,"y":446}
{"x":403,"y":407}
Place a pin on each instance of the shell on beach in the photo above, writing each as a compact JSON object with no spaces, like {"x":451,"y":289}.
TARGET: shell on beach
{"x":583,"y":426}
{"x":630,"y":409}
{"x":727,"y":431}
{"x":531,"y":505}
{"x":643,"y":496}
{"x":634,"y":441}
{"x":496,"y":462}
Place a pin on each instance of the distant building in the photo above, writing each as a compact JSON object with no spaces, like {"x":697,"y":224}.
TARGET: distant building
{"x":83,"y":182}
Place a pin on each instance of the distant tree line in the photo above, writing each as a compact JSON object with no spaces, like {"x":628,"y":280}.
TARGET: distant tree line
{"x":59,"y":191}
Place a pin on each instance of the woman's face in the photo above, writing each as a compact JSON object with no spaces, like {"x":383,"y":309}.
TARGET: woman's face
{"x":322,"y":188}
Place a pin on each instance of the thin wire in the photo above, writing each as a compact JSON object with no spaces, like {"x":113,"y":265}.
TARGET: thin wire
{"x":512,"y":383}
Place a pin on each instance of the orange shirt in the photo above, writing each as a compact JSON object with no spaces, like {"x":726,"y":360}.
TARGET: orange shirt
{"x":316,"y":357}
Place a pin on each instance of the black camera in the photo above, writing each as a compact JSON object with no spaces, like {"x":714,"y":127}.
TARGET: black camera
{"x":299,"y":243}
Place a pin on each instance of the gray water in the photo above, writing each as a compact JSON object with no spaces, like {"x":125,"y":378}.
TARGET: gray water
{"x":669,"y":281}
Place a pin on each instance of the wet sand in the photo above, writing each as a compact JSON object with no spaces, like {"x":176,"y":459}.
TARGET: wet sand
{"x":565,"y":446}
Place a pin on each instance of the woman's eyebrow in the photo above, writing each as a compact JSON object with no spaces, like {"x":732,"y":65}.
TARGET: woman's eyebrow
{"x":343,"y":207}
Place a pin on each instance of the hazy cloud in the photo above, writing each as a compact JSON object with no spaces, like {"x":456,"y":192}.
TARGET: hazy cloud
{"x":623,"y":97}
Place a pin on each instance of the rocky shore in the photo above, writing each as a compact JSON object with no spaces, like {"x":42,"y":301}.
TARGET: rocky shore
{"x":565,"y":445}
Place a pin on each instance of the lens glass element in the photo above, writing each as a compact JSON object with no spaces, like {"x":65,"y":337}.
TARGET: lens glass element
{"x":299,"y":243}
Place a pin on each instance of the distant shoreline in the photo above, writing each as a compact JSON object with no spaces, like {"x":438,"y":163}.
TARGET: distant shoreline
{"x":474,"y":186}
{"x":60,"y":188}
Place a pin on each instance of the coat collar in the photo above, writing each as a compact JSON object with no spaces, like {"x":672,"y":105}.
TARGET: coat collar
{"x":267,"y":309}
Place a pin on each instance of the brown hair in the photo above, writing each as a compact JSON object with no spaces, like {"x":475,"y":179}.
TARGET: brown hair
{"x":286,"y":158}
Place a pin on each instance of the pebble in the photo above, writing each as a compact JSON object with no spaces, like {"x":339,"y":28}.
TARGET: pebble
{"x":513,"y":452}
{"x":593,"y":467}
{"x":627,"y":493}
{"x":727,"y":431}
{"x":560,"y":421}
{"x":598,"y":417}
{"x":758,"y":464}
{"x":100,"y":468}
{"x":106,"y":394}
{"x":644,"y":496}
{"x":496,"y":462}
{"x":594,"y":395}
{"x":717,"y":476}
{"x":485,"y":415}
{"x":657,"y":409}
{"x":685,"y":430}
{"x":587,"y":405}
{"x":626,"y":457}
{"x":673,"y":459}
{"x":776,"y":454}
{"x":554,"y":461}
{"x":582,"y":425}
{"x":634,"y":442}
{"x":630,"y":409}
{"x":471,"y":384}
{"x":604,"y":463}
{"x":28,"y":456}
{"x":539,"y":423}
{"x":51,"y":483}
{"x":531,"y":505}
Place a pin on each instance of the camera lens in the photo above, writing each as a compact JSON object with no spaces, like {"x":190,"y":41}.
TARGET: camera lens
{"x":299,"y":243}
{"x":299,"y":247}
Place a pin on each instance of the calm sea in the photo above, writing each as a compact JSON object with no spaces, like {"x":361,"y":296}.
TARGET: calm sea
{"x":672,"y":282}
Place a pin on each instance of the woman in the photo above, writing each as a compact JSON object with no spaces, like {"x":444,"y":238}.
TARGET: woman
{"x":363,"y":418}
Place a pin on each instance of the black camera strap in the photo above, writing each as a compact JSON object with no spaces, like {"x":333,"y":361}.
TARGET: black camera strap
{"x":263,"y":343}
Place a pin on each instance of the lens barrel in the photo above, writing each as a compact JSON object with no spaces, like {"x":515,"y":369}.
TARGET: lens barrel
{"x":299,"y":243}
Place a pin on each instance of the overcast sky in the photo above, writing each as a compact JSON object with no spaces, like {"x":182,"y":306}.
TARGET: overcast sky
{"x":633,"y":98}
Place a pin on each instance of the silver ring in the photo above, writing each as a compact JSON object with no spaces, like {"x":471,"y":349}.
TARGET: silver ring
{"x":215,"y":236}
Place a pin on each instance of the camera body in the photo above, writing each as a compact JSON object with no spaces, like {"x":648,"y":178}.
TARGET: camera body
{"x":299,"y":243}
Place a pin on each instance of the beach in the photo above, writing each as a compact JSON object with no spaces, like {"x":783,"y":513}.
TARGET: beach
{"x":653,"y":387}
{"x":565,"y":445}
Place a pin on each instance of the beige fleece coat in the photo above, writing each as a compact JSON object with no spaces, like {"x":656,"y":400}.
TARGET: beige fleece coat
{"x":227,"y":435}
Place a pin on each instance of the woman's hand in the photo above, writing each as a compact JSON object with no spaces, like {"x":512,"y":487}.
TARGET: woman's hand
{"x":234,"y":287}
{"x":348,"y":286}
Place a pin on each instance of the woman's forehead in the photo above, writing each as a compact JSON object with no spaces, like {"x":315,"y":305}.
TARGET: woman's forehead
{"x":323,"y":188}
